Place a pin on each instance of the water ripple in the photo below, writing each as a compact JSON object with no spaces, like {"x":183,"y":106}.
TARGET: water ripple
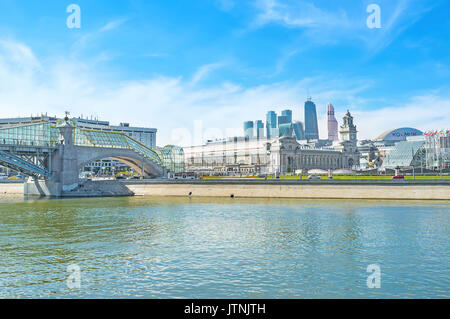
{"x":217,"y":248}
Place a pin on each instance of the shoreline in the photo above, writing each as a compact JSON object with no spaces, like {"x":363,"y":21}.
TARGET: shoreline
{"x":302,"y":189}
{"x":296,"y":189}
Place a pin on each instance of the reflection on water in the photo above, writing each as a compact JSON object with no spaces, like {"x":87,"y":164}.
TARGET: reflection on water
{"x":223,"y":248}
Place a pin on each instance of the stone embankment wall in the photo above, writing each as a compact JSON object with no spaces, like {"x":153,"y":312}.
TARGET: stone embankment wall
{"x":404,"y":190}
{"x":355,"y":190}
{"x":11,"y":188}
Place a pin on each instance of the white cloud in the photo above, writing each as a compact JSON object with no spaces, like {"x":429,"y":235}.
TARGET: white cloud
{"x":424,"y":112}
{"x":300,"y":14}
{"x":29,"y":86}
{"x":112,"y":25}
{"x":87,"y":38}
{"x":344,"y":23}
{"x":18,"y":54}
{"x":205,"y":70}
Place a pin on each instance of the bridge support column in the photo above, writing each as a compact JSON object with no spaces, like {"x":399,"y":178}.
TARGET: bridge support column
{"x":35,"y":187}
{"x":64,"y":168}
{"x":65,"y":163}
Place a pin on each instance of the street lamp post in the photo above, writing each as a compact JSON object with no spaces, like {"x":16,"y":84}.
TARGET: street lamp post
{"x":142,"y":170}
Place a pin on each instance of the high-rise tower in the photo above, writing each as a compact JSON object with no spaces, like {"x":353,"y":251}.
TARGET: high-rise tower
{"x":259,"y":125}
{"x":248,"y":129}
{"x":288,"y":115}
{"x":332,"y":124}
{"x":311,"y":127}
{"x":298,"y":130}
{"x":271,"y":124}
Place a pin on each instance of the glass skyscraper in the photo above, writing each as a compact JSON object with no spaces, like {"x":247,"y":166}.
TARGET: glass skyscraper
{"x":298,"y":130}
{"x":259,"y":125}
{"x":311,"y":127}
{"x":285,"y":129}
{"x":271,"y":124}
{"x":332,"y":124}
{"x":288,"y":115}
{"x":248,"y":129}
{"x":283,"y":120}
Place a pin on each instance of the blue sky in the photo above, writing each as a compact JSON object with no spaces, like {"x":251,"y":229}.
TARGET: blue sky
{"x":200,"y":68}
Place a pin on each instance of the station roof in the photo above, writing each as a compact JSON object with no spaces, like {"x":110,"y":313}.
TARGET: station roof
{"x":399,"y":134}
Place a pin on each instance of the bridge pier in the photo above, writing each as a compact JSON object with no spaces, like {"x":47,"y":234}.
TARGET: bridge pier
{"x":35,"y":187}
{"x":64,"y":168}
{"x":65,"y":172}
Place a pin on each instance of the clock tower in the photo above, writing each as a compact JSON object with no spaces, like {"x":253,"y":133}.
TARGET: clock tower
{"x":348,"y":129}
{"x":348,"y":143}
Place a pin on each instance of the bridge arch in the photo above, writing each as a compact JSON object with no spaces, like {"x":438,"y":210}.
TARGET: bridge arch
{"x":86,"y":155}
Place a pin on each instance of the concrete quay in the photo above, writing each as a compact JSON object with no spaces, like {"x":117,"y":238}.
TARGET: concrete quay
{"x":326,"y":189}
{"x":306,"y":189}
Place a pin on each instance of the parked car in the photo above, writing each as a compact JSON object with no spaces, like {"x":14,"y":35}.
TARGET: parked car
{"x":120,"y":176}
{"x":314,"y":177}
{"x":398,"y":177}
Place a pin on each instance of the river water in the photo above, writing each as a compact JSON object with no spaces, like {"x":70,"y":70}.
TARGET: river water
{"x":143,"y":247}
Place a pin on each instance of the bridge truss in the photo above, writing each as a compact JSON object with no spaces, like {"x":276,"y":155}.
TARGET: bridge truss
{"x":28,"y":161}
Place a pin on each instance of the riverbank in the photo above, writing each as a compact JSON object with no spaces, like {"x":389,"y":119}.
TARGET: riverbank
{"x":11,"y":187}
{"x":237,"y":188}
{"x":336,"y":189}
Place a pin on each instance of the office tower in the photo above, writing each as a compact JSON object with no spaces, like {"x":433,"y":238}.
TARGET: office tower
{"x":298,"y":130}
{"x":288,"y":115}
{"x":311,"y":128}
{"x":332,"y":124}
{"x":283,"y":119}
{"x":285,"y":129}
{"x":271,"y":124}
{"x":259,"y":125}
{"x":248,"y":129}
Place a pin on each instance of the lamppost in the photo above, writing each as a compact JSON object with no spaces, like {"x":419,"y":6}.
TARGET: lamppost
{"x":413,"y":169}
{"x":142,"y":170}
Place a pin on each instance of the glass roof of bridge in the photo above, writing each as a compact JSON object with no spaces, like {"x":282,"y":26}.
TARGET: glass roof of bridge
{"x":36,"y":134}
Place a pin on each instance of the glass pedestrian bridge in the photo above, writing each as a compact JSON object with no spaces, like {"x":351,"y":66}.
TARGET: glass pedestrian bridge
{"x":43,"y":135}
